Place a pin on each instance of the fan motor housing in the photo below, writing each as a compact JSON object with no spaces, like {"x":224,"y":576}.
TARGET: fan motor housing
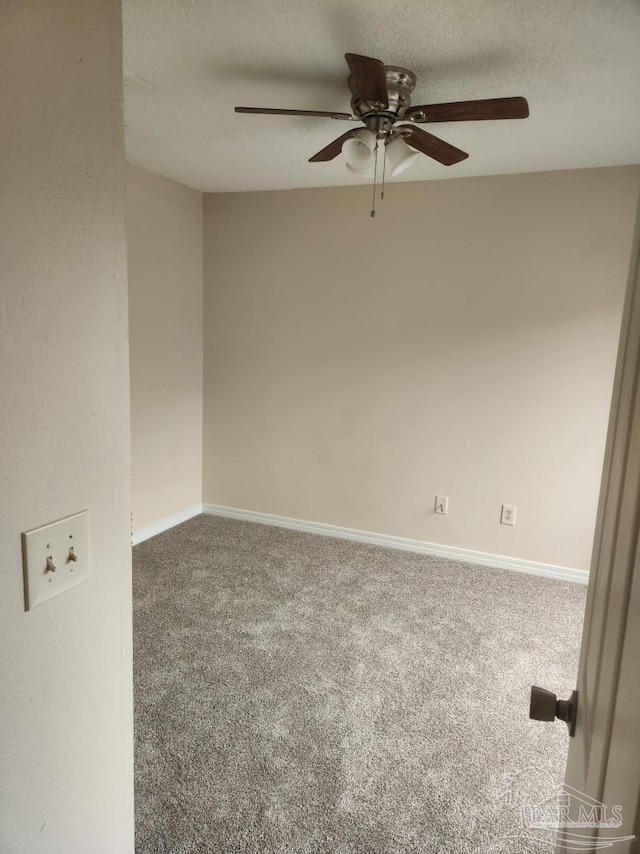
{"x":400,"y":84}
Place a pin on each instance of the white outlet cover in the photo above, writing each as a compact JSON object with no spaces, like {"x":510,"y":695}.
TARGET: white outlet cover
{"x":442,"y":504}
{"x":508,"y":514}
{"x":56,"y":541}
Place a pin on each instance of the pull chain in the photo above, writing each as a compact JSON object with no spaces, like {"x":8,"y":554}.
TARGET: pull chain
{"x":375,"y":176}
{"x":384,"y":168}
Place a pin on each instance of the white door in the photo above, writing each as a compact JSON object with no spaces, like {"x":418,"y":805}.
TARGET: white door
{"x":602,"y":784}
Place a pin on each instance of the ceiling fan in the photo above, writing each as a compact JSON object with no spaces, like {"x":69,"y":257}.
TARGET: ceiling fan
{"x":381,"y":100}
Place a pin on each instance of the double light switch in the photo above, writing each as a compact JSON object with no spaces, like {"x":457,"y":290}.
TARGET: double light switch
{"x":56,"y":558}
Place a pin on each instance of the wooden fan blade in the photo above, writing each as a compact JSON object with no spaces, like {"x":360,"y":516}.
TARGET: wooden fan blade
{"x":432,"y":146}
{"x":369,"y":79}
{"x":334,"y":148}
{"x":471,"y":111}
{"x":267,"y":111}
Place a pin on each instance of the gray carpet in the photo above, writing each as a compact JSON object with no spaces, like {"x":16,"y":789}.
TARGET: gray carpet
{"x":305,"y":695}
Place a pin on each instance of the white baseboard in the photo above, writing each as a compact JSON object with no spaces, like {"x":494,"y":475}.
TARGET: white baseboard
{"x":529,"y":567}
{"x":165,"y":524}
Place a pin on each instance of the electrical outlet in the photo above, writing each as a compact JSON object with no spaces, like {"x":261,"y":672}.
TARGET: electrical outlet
{"x":508,"y":515}
{"x":442,"y":504}
{"x":56,"y":558}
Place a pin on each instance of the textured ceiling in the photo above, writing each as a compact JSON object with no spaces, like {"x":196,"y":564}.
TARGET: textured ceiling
{"x":189,"y":62}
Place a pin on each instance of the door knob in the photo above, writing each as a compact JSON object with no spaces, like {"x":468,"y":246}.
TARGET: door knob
{"x":545,"y":706}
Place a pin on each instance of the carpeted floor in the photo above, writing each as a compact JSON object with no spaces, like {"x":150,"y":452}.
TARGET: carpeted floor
{"x":305,"y":695}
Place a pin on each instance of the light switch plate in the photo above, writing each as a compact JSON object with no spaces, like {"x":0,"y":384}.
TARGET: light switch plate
{"x":48,"y":552}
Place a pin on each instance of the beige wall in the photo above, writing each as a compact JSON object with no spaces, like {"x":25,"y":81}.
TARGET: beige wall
{"x":66,"y":739}
{"x":164,"y":235}
{"x":461,"y":343}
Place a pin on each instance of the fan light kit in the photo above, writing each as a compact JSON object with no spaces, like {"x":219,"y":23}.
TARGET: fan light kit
{"x":381,"y":101}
